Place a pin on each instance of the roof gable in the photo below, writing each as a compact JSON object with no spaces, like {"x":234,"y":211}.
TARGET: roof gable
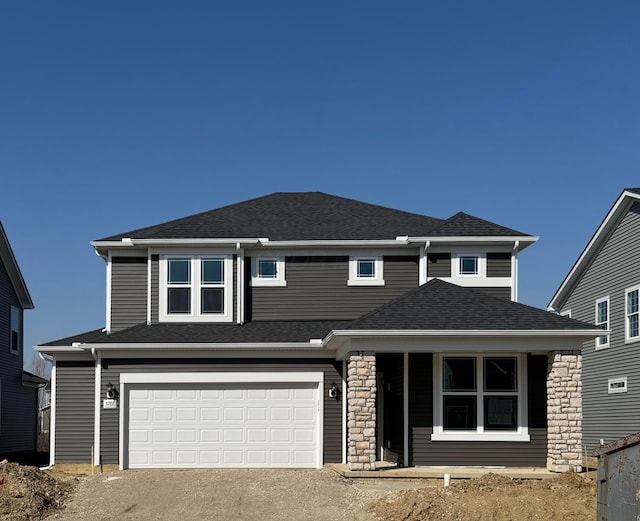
{"x":295,"y":216}
{"x":15,"y":275}
{"x":441,"y":306}
{"x":609,"y":224}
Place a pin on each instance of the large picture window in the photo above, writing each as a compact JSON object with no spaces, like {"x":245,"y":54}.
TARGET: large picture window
{"x":481,"y":397}
{"x":195,"y":288}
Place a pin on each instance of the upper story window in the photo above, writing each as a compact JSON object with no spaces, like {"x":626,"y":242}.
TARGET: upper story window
{"x":602,"y":319}
{"x":632,"y":312}
{"x":16,"y":329}
{"x":268,"y":271}
{"x":196,"y":288}
{"x":481,"y":398}
{"x":366,"y":271}
{"x":469,"y":265}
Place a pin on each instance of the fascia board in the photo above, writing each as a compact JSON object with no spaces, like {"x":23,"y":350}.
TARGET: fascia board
{"x":509,"y":333}
{"x":198,"y":241}
{"x":608,"y":225}
{"x":13,"y":270}
{"x":335,"y":243}
{"x":51,"y":350}
{"x":149,"y":346}
{"x":523,"y":240}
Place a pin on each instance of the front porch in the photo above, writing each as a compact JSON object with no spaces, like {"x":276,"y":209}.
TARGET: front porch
{"x":393,"y":402}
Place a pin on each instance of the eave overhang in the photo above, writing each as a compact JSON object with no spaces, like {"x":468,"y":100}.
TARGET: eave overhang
{"x":520,"y":241}
{"x":13,"y":270}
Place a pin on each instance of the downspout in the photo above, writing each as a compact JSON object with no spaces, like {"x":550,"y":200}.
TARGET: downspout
{"x":240,"y":285}
{"x":108,"y":317}
{"x":52,"y":418}
{"x":514,"y":271}
{"x":423,"y":263}
{"x":98,"y":386}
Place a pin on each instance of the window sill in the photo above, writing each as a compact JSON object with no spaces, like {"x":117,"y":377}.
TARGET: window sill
{"x":187,"y":319}
{"x":363,"y":282}
{"x":268,"y":283}
{"x":603,"y":347}
{"x":632,"y":340}
{"x":481,"y":436}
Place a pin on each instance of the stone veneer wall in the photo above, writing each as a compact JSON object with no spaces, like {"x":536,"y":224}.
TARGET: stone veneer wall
{"x":361,"y":411}
{"x":564,"y":411}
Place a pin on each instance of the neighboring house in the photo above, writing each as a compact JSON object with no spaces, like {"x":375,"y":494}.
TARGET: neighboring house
{"x":603,"y":287}
{"x":299,"y":329}
{"x":18,"y":388}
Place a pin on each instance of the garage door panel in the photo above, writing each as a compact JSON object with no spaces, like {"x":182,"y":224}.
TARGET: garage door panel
{"x":223,"y":425}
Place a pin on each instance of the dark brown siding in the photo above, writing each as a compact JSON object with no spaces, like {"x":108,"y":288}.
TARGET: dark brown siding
{"x":423,"y":451}
{"x":74,"y":411}
{"x":332,"y":408}
{"x":128,"y":292}
{"x":439,"y":265}
{"x":317,"y":290}
{"x":499,"y":264}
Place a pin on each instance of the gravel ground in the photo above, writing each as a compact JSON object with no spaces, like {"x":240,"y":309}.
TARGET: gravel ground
{"x":229,"y":495}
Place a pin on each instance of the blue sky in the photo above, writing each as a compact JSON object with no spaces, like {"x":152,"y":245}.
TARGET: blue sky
{"x":117,"y":115}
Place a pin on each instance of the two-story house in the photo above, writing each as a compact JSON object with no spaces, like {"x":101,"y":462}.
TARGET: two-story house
{"x":603,"y":287}
{"x":299,"y":329}
{"x":18,"y":388}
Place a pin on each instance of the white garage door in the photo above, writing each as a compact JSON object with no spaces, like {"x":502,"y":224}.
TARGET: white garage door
{"x":223,"y":425}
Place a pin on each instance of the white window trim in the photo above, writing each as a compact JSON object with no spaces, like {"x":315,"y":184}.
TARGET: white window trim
{"x":15,"y":312}
{"x":628,"y":339}
{"x":606,"y":344}
{"x":617,"y":390}
{"x":354,"y":280}
{"x":195,"y":315}
{"x":521,"y":434}
{"x":280,"y":272}
{"x":566,"y":313}
{"x":456,"y":259}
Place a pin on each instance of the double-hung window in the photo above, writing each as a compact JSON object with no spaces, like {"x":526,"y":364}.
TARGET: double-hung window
{"x":480,"y":398}
{"x":16,"y":330}
{"x":196,"y":288}
{"x":366,"y":271}
{"x":632,"y":312}
{"x":602,"y":319}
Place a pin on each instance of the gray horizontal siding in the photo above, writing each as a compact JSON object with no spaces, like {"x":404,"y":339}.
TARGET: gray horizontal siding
{"x":317,"y":290}
{"x":74,"y":411}
{"x":500,"y":292}
{"x":18,"y":404}
{"x":498,"y":264}
{"x":423,"y":451}
{"x":439,"y":265}
{"x":615,"y":268}
{"x":128,"y":292}
{"x":332,"y":409}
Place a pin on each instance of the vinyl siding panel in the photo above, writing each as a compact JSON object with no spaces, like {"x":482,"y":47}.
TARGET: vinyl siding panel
{"x":332,"y":408}
{"x":498,"y":264}
{"x":503,"y":292}
{"x":317,"y":290}
{"x":423,"y":451}
{"x":74,"y":411}
{"x":128,"y":292}
{"x":18,"y":404}
{"x":614,"y":269}
{"x":439,"y":265}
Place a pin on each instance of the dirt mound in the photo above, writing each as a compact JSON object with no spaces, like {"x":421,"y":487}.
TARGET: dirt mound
{"x":495,"y":498}
{"x":29,"y":493}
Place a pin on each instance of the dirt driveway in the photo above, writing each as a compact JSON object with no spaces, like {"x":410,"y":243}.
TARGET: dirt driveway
{"x":229,"y":495}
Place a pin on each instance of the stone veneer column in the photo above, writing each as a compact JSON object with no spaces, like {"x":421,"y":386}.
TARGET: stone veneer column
{"x":564,"y":411}
{"x":361,"y":411}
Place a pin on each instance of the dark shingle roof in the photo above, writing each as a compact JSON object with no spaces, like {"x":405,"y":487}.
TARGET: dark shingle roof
{"x":634,"y":190}
{"x":268,"y":332}
{"x":312,"y":216}
{"x":441,"y":306}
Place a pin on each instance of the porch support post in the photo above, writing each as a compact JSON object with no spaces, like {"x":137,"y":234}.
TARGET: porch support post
{"x":564,"y":411}
{"x":361,"y":407}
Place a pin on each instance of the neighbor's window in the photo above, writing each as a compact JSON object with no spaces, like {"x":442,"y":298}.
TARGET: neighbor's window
{"x":632,"y":311}
{"x":602,"y":319}
{"x":481,"y":398}
{"x":267,"y":271}
{"x":195,"y":288}
{"x":14,"y":342}
{"x":365,"y":271}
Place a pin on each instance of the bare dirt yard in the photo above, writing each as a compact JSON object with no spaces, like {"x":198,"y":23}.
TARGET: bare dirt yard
{"x":27,"y":493}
